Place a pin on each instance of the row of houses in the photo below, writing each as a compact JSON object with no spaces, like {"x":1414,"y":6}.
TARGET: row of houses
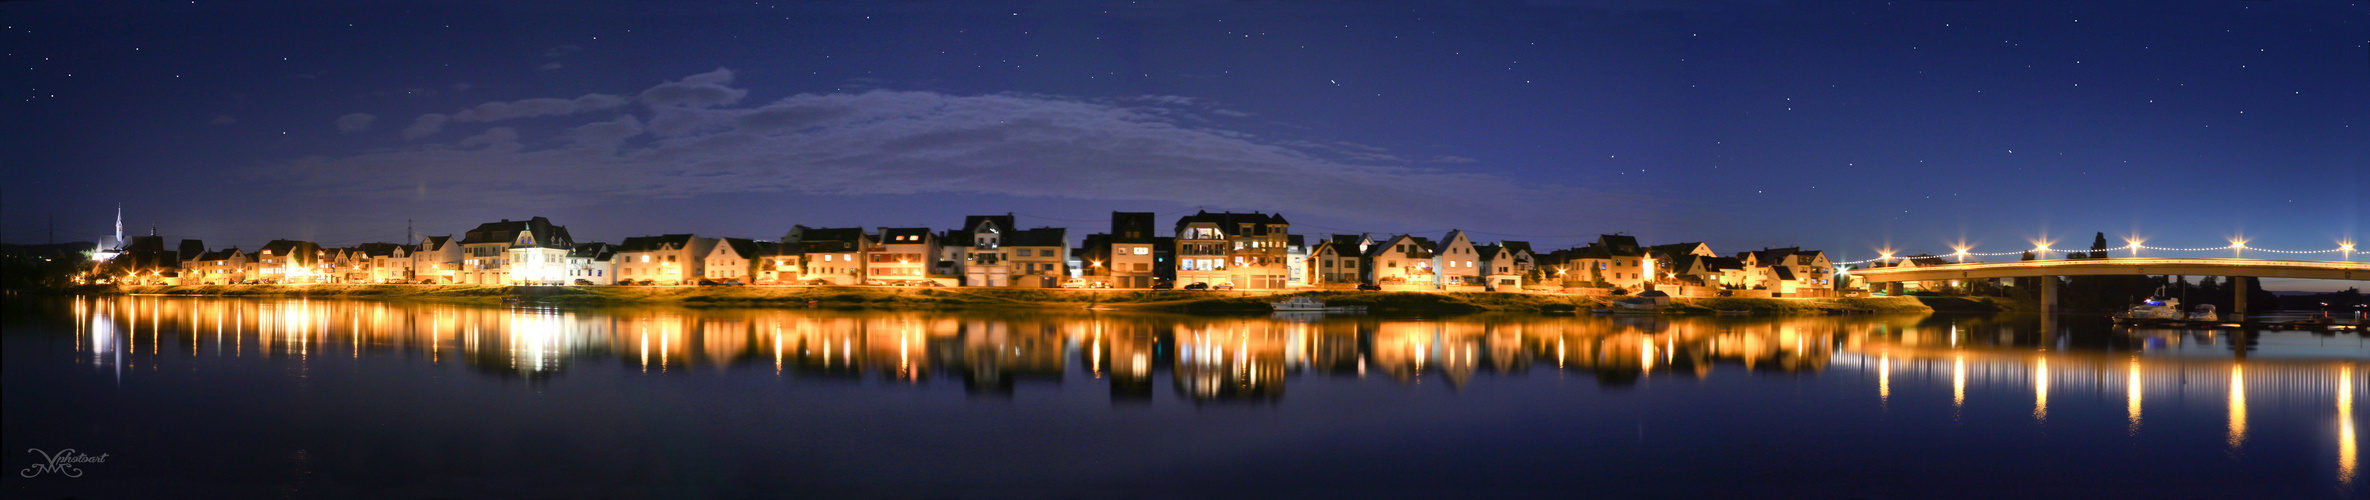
{"x":1222,"y":250}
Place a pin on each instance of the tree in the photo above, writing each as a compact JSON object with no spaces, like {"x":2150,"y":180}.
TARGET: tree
{"x":2098,"y":246}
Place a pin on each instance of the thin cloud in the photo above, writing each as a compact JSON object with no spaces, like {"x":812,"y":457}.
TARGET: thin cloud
{"x":357,"y":122}
{"x":881,"y":142}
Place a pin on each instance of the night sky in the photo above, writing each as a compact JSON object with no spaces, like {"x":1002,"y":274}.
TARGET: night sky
{"x":1846,"y":126}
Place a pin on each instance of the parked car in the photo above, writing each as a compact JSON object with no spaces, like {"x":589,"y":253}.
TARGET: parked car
{"x":708,"y":283}
{"x":874,"y":282}
{"x":927,"y":283}
{"x":1370,"y":287}
{"x":1164,"y":285}
{"x":1225,"y":286}
{"x":733,"y":282}
{"x":583,"y":282}
{"x":818,"y":282}
{"x":649,"y":283}
{"x":1198,"y":286}
{"x":428,"y":282}
{"x":1075,"y":283}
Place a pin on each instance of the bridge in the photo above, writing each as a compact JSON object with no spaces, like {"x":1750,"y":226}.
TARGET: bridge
{"x":2130,"y":266}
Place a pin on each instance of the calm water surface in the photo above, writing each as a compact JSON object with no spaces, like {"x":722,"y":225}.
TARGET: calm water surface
{"x":313,"y":398}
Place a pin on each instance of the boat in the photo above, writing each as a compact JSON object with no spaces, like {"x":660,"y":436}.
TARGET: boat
{"x":2157,"y":307}
{"x":2204,"y":312}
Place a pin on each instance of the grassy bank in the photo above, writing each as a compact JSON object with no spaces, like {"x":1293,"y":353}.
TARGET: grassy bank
{"x":1014,"y":298}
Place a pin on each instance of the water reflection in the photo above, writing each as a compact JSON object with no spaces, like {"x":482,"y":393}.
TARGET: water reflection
{"x":1220,"y":360}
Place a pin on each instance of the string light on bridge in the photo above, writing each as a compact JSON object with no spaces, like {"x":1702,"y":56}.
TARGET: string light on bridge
{"x":2041,"y":250}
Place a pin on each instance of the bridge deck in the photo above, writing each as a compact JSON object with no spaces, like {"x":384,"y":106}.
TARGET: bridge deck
{"x":2140,"y":266}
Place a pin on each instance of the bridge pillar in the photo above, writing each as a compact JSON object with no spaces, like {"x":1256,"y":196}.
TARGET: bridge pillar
{"x":1892,"y":289}
{"x":2048,"y":295}
{"x":2238,"y":305}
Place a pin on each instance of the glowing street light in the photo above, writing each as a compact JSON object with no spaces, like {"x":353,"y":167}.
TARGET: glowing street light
{"x":2346,"y":248}
{"x":1962,"y":253}
{"x":2238,"y":248}
{"x":2135,"y":246}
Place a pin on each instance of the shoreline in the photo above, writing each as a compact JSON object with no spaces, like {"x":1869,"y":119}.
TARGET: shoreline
{"x":1240,"y":301}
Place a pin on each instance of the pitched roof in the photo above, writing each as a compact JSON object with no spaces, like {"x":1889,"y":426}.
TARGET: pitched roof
{"x":1227,"y":221}
{"x":832,"y":239}
{"x":1621,"y":245}
{"x":435,"y":243}
{"x":904,"y":235}
{"x":286,"y":247}
{"x":546,"y":234}
{"x":1784,"y":273}
{"x":595,"y":251}
{"x":655,"y":243}
{"x":1517,"y":246}
{"x":219,"y":254}
{"x":1003,"y":223}
{"x":378,"y":249}
{"x":1415,"y":248}
{"x":1676,"y":248}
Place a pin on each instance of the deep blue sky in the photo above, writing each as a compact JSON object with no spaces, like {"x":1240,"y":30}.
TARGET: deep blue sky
{"x":1839,"y":125}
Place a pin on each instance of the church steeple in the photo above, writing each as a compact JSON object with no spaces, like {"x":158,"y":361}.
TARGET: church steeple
{"x":119,"y":225}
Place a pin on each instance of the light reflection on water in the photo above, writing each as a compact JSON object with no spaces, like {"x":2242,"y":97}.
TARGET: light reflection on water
{"x":1254,"y":359}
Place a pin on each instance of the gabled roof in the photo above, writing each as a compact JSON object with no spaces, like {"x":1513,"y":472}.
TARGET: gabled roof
{"x":596,"y":251}
{"x":1227,"y":221}
{"x":1781,"y":256}
{"x":544,"y":233}
{"x":1002,"y":223}
{"x":1039,"y":237}
{"x":655,"y":243}
{"x":1676,"y":248}
{"x":1487,"y":251}
{"x":1784,"y":273}
{"x":220,"y":254}
{"x":145,"y":244}
{"x":1518,"y":246}
{"x":1723,"y":263}
{"x":435,"y":243}
{"x":1295,"y":241}
{"x":749,"y":249}
{"x":1621,"y":245}
{"x":1452,"y":236}
{"x":905,"y":235}
{"x":1416,"y":248}
{"x":289,"y":247}
{"x":833,"y":239}
{"x":379,"y":249}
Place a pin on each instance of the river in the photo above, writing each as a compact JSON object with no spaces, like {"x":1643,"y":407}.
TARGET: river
{"x":356,"y":399}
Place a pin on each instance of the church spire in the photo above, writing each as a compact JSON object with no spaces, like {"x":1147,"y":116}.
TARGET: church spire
{"x":119,"y":225}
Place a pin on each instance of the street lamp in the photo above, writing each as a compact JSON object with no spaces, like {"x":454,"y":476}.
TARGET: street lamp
{"x":1962,"y":253}
{"x":2238,"y":248}
{"x":2135,"y":247}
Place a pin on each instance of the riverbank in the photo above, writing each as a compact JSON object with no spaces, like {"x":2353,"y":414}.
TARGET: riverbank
{"x":1246,"y":301}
